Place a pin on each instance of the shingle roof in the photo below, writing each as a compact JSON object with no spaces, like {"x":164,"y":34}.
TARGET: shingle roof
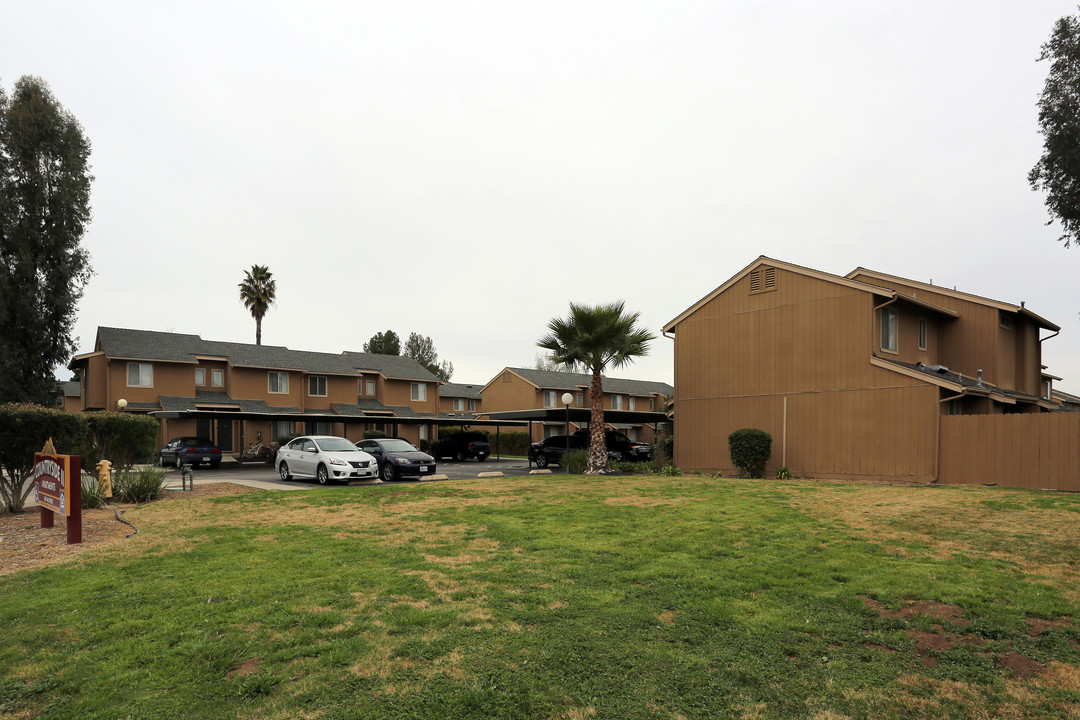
{"x":205,"y":398}
{"x":940,"y":371}
{"x":556,"y":380}
{"x":176,"y":347}
{"x":460,"y":390}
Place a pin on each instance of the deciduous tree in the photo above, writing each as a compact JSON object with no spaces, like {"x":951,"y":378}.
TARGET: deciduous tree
{"x":44,"y":211}
{"x":1058,"y":170}
{"x":596,"y":337}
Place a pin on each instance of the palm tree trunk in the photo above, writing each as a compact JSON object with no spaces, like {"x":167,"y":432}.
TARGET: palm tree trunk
{"x":258,"y":330}
{"x":598,"y":459}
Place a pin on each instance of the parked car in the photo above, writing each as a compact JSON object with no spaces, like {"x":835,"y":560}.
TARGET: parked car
{"x":619,"y":447}
{"x":193,"y":451}
{"x":325,"y":458}
{"x":398,"y":458}
{"x":462,"y":445}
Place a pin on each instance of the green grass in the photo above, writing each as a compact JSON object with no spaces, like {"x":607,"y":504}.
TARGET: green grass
{"x":557,"y":597}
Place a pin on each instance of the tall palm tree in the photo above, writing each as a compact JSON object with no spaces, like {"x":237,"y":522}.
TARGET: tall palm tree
{"x":258,"y":292}
{"x":596,"y":337}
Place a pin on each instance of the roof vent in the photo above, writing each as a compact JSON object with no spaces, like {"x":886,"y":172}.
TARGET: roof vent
{"x":978,"y":382}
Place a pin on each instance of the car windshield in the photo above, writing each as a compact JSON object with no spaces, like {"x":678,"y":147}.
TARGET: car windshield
{"x":398,"y":446}
{"x":619,"y":437}
{"x":335,"y":444}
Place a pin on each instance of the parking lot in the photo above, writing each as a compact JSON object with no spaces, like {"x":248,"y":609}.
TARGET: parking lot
{"x":265,"y":476}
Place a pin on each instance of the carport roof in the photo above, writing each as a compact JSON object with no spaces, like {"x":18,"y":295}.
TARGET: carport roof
{"x":579,"y":415}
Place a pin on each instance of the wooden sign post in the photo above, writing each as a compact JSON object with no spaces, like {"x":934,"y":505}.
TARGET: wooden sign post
{"x":59,"y":490}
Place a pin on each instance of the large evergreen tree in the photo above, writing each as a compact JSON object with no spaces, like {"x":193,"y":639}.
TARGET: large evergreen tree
{"x":595,"y":338}
{"x":1058,"y":170}
{"x":258,"y":292}
{"x":44,"y":211}
{"x":421,"y":348}
{"x":387,"y":343}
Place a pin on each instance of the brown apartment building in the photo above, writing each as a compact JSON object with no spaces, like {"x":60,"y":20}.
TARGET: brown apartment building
{"x":238,"y":393}
{"x":867,"y":375}
{"x":526,"y":389}
{"x":456,"y":399}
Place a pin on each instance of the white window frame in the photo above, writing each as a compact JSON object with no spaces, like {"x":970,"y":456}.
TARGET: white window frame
{"x":283,"y":425}
{"x":581,"y":399}
{"x":316,"y":379}
{"x":549,"y":399}
{"x":472,"y":406}
{"x":419,"y":392}
{"x":423,"y":433}
{"x":370,"y":388}
{"x":145,"y":373}
{"x":200,"y":377}
{"x":632,"y":407}
{"x":922,"y":333}
{"x":890,"y":330}
{"x":217,"y":378}
{"x":459,"y":404}
{"x":283,"y":382}
{"x":616,"y":402}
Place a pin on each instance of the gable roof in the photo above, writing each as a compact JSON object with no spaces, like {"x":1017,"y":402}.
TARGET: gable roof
{"x":460,"y":390}
{"x":557,"y":380}
{"x":152,"y":345}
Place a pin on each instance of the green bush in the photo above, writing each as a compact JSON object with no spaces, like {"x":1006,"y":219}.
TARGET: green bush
{"x":510,"y":443}
{"x":121,"y":438}
{"x":750,"y":450}
{"x":139,"y":486}
{"x":577,"y":461}
{"x":93,"y":495}
{"x":671,"y":471}
{"x":783,"y":473}
{"x":24,"y":430}
{"x":373,"y":434}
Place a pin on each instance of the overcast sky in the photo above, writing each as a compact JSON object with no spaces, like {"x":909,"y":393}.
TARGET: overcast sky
{"x":465,"y":170}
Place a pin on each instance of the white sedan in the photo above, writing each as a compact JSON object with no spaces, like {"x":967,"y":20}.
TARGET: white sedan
{"x":325,"y":458}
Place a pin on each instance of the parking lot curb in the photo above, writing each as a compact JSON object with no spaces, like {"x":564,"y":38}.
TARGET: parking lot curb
{"x":490,"y":474}
{"x":436,"y":477}
{"x":545,"y":471}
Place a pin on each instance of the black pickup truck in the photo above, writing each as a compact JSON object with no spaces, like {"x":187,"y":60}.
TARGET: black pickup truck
{"x":462,"y":445}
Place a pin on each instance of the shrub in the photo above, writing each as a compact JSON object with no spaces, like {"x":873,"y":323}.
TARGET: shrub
{"x":121,"y":438}
{"x":620,"y":466}
{"x":373,"y":434}
{"x":671,"y":471}
{"x":139,"y":486}
{"x":93,"y":495}
{"x":643,"y":468}
{"x":577,"y":461}
{"x":750,"y":450}
{"x":24,"y":430}
{"x":509,"y":443}
{"x":783,"y":473}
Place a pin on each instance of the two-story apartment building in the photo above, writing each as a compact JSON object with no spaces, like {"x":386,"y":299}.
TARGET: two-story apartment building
{"x":238,"y":393}
{"x":456,"y":399}
{"x":515,"y":388}
{"x":849,"y":374}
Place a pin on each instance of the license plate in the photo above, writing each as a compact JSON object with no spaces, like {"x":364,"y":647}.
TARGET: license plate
{"x":206,"y":459}
{"x":423,"y":468}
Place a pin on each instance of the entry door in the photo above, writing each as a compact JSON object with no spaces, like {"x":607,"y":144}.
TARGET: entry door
{"x":224,"y":435}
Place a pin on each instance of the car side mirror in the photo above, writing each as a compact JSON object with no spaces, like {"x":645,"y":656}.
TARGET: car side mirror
{"x":311,"y":450}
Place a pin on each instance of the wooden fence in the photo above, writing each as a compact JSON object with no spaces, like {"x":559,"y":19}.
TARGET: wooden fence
{"x":1035,"y":451}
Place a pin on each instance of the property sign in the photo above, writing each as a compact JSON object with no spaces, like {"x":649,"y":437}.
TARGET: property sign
{"x":58,"y":481}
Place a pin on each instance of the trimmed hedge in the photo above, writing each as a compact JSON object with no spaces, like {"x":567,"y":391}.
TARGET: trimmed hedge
{"x":123,"y":438}
{"x":750,"y":449}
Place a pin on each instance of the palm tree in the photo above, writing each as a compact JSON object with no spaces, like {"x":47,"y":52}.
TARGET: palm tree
{"x":258,"y":292}
{"x":596,"y":337}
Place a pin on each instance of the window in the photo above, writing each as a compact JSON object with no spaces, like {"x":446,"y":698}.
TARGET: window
{"x":632,"y":409}
{"x":652,"y":403}
{"x":279,"y":382}
{"x":580,"y":399}
{"x":472,"y":406}
{"x":459,"y":404}
{"x":552,"y":430}
{"x":888,"y":329}
{"x":419,"y":392}
{"x":319,"y":427}
{"x":423,"y":433}
{"x":371,"y":388}
{"x":140,"y":375}
{"x":316,"y":385}
{"x":922,"y":333}
{"x":635,"y":433}
{"x":218,"y":376}
{"x":549,"y":399}
{"x":282,"y":429}
{"x":200,"y":376}
{"x":1006,"y":319}
{"x":616,"y":402}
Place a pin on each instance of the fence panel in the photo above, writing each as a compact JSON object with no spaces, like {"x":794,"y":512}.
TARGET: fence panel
{"x":1035,"y":451}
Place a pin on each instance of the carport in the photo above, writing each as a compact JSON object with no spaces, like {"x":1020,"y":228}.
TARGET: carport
{"x":394,"y":422}
{"x":579,"y":416}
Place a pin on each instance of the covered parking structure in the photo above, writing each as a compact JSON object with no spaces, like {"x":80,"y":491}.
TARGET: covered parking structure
{"x":212,"y":421}
{"x":579,"y":416}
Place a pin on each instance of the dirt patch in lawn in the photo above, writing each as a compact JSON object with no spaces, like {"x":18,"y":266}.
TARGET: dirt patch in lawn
{"x":25,"y":545}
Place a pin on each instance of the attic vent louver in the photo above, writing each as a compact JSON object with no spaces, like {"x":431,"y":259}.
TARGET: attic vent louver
{"x":755,"y":281}
{"x":770,"y":278}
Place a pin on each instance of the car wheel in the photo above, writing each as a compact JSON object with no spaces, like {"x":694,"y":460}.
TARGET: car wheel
{"x":178,"y":462}
{"x":459,"y":456}
{"x":541,"y":461}
{"x":161,"y":459}
{"x":386,"y":472}
{"x":283,"y":470}
{"x":322,"y":475}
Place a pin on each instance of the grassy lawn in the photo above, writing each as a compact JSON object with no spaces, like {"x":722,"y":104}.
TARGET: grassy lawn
{"x":555,"y":597}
